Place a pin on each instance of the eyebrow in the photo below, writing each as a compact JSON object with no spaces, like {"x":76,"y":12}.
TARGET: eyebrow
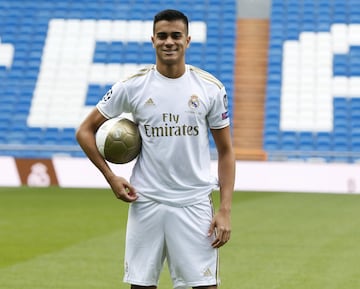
{"x":175,"y":33}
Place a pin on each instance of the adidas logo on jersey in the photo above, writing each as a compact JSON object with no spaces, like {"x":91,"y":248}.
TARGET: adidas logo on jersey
{"x":149,"y":102}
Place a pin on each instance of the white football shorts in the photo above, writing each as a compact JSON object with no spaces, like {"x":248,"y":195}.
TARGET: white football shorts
{"x":157,"y":232}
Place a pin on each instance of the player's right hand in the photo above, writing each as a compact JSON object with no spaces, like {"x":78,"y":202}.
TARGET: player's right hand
{"x":122,"y":189}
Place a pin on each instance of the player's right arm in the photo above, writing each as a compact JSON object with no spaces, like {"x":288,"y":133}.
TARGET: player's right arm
{"x":85,"y":136}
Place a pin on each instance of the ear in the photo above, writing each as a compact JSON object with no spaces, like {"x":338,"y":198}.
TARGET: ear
{"x":152,"y":40}
{"x":188,"y":40}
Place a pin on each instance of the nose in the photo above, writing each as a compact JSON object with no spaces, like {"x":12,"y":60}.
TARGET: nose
{"x":169,"y":40}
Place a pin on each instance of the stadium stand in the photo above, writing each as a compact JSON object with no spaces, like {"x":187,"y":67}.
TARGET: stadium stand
{"x":313,"y":84}
{"x":293,"y":80}
{"x":57,"y":58}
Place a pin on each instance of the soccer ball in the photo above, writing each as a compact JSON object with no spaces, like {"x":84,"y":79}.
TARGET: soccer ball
{"x":118,"y":140}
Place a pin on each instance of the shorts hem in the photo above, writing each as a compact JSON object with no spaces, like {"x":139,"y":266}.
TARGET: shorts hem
{"x":140,"y":283}
{"x":195,"y":284}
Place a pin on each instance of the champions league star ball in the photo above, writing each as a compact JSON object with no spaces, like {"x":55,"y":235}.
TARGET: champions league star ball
{"x":118,"y":140}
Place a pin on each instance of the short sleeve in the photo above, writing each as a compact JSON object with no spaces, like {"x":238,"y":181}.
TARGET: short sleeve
{"x":114,"y":102}
{"x":218,"y":116}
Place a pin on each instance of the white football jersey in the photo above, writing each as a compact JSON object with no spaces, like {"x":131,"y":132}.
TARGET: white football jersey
{"x":174,"y":117}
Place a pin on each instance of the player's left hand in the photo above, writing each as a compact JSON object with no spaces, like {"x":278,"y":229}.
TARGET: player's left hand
{"x":221,"y":226}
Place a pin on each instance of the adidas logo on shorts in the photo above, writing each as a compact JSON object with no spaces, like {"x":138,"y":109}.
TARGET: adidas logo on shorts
{"x":207,"y":273}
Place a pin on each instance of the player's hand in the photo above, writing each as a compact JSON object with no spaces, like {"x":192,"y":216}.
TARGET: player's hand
{"x":122,"y":189}
{"x":221,"y":226}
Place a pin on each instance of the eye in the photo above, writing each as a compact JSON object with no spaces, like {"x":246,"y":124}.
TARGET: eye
{"x":161,"y":35}
{"x":176,"y":35}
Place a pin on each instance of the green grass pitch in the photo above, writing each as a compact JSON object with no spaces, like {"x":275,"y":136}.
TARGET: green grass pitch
{"x":52,"y":238}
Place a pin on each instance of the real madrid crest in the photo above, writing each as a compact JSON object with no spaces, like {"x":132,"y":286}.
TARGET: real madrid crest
{"x":194,"y":101}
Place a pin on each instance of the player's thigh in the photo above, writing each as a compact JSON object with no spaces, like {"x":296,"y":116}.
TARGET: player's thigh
{"x":190,"y":254}
{"x":144,"y":248}
{"x":144,"y":220}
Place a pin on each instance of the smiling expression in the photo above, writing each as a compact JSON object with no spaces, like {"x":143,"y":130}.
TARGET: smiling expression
{"x":170,"y":41}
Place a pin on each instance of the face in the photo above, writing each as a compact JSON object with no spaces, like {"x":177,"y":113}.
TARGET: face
{"x":170,"y":41}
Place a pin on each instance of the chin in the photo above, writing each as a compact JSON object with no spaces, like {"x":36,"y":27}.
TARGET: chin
{"x":170,"y":61}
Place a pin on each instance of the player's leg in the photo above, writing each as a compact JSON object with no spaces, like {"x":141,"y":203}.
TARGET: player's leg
{"x":142,"y":287}
{"x":144,"y":248}
{"x":192,"y":261}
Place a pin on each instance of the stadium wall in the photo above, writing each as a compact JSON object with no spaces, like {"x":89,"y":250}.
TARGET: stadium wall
{"x":67,"y":172}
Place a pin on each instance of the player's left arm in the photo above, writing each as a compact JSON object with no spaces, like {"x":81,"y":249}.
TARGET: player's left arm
{"x":226,"y":174}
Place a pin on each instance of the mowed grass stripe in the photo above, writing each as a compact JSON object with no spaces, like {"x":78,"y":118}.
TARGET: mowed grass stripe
{"x":294,"y":241}
{"x":36,"y":221}
{"x":95,"y":263}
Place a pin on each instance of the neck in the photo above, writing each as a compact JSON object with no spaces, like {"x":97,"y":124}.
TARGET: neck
{"x":171,"y":71}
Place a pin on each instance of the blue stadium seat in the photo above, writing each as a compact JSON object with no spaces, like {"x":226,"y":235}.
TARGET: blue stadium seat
{"x":271,"y":144}
{"x":277,"y":3}
{"x":322,"y":141}
{"x":306,"y":141}
{"x":147,"y":56}
{"x":341,"y":103}
{"x":355,"y":142}
{"x":354,"y":69}
{"x":354,"y":18}
{"x":341,"y":145}
{"x":306,"y":145}
{"x":309,"y":25}
{"x":340,"y":65}
{"x":339,"y":17}
{"x":67,"y":136}
{"x":4,"y":125}
{"x":34,"y":136}
{"x":51,"y":136}
{"x":355,"y":112}
{"x":324,"y":24}
{"x":271,"y":138}
{"x":289,"y":141}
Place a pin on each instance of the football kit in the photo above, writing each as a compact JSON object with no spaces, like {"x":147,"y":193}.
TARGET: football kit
{"x":173,"y":116}
{"x":172,"y":173}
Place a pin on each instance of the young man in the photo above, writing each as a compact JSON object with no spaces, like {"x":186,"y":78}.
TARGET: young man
{"x":170,"y":213}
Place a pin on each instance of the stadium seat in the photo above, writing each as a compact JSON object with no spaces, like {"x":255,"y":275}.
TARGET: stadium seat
{"x":322,"y":141}
{"x":355,"y":142}
{"x":271,"y":143}
{"x":340,"y":145}
{"x":288,"y":140}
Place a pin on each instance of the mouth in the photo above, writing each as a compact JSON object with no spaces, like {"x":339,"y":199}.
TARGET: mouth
{"x":170,"y":52}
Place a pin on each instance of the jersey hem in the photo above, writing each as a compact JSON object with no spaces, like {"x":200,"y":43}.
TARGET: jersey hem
{"x":205,"y":198}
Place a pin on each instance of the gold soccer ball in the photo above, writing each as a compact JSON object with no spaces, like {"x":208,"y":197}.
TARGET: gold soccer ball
{"x":118,"y":140}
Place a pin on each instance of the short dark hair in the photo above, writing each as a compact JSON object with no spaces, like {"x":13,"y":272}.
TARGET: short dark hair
{"x":171,"y":15}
